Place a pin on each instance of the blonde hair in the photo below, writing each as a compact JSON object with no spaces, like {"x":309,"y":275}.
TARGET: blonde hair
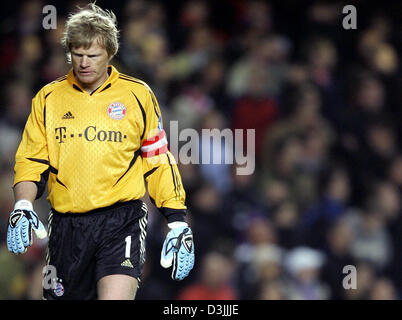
{"x":89,"y":24}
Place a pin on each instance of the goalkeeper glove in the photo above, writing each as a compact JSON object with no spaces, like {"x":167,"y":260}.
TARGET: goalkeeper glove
{"x":20,"y":224}
{"x":178,"y":250}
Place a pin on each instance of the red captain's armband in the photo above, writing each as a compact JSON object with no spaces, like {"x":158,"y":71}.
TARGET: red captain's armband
{"x":155,"y":145}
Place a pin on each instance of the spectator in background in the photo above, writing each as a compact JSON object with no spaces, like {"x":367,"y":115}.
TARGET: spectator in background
{"x":6,"y":197}
{"x":28,"y":61}
{"x":338,"y":241}
{"x":273,"y":290}
{"x":334,"y":190}
{"x":16,"y":102}
{"x":321,"y":59}
{"x":371,"y":241}
{"x":394,"y":172}
{"x":190,"y":105}
{"x":383,"y":289}
{"x":217,"y":170}
{"x":367,"y":101}
{"x":365,"y":277}
{"x":367,"y":104}
{"x":286,"y":219}
{"x":135,"y":31}
{"x":266,"y":270}
{"x":212,"y":82}
{"x":29,"y":17}
{"x":297,"y":145}
{"x":214,"y":283}
{"x":274,"y":192}
{"x":13,"y":279}
{"x":254,"y":108}
{"x":55,"y":66}
{"x":381,"y":141}
{"x":283,"y":162}
{"x":206,"y":208}
{"x":268,"y":58}
{"x":304,"y":265}
{"x":18,"y":95}
{"x":375,"y":48}
{"x":194,"y":14}
{"x":387,"y":198}
{"x":257,"y":250}
{"x":200,"y":48}
{"x":267,"y":262}
{"x":241,"y":204}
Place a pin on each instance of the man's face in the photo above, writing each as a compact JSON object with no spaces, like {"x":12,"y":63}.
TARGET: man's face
{"x":90,"y":65}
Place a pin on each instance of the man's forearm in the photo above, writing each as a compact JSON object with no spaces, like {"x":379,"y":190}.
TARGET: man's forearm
{"x":25,"y":190}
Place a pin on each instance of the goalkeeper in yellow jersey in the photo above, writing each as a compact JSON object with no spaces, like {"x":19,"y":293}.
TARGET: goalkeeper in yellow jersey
{"x":94,"y":137}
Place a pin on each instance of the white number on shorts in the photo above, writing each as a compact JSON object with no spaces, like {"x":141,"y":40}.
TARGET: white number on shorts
{"x":128,"y":246}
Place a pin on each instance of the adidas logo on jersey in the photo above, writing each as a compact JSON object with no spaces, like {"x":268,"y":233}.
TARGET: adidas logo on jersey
{"x":127,"y":263}
{"x":68,"y":115}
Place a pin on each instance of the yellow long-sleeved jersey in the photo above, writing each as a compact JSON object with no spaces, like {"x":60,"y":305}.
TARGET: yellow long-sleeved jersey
{"x":93,"y":149}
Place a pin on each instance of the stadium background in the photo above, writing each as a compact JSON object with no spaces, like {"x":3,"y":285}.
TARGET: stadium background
{"x":324,"y":101}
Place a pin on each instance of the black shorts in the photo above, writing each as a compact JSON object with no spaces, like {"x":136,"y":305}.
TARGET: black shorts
{"x":83,"y":248}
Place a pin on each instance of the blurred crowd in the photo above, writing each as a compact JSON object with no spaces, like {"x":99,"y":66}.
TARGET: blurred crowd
{"x":324,"y":103}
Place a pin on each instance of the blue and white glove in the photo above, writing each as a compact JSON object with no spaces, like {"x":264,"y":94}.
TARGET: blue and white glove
{"x":178,"y":250}
{"x":20,"y":224}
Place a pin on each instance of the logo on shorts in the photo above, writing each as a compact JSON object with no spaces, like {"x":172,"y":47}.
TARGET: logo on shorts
{"x":116,"y":110}
{"x":127,"y":263}
{"x":59,"y":289}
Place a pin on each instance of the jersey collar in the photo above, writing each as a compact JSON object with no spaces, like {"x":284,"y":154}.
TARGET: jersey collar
{"x":113,"y":77}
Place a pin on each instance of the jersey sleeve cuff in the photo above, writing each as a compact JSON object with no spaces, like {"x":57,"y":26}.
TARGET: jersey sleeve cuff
{"x":173,"y":215}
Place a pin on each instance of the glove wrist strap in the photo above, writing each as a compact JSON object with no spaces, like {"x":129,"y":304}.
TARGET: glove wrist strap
{"x":23,"y":205}
{"x":177,"y":224}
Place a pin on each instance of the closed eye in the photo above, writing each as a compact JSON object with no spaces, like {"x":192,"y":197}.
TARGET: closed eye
{"x":79,"y":55}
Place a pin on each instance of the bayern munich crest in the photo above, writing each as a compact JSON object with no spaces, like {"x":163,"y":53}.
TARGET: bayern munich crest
{"x":59,"y":290}
{"x":116,"y":110}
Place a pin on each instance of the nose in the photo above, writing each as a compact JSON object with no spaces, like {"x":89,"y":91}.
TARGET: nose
{"x":84,"y":63}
